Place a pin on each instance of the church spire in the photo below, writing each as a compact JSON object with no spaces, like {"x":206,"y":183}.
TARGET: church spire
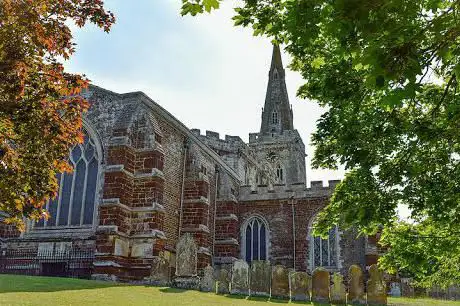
{"x":277,"y":113}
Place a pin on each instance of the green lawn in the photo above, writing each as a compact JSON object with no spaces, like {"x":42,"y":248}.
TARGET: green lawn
{"x":27,"y":290}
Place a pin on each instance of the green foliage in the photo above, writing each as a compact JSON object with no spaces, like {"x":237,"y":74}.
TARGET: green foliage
{"x":426,"y":252}
{"x":387,"y":73}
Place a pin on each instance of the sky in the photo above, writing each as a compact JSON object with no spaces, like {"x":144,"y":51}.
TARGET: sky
{"x":209,"y":74}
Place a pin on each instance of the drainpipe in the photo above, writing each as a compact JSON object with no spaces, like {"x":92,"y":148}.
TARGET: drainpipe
{"x":183,"y":187}
{"x":293,"y":228}
{"x":215,"y":214}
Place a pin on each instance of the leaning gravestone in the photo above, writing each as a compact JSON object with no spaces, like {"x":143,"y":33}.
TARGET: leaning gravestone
{"x":356,"y":286}
{"x":207,"y":282}
{"x":280,"y":282}
{"x":338,"y":290}
{"x":259,"y":278}
{"x":186,"y":263}
{"x":223,"y":281}
{"x":320,"y":286}
{"x":299,"y":284}
{"x":376,"y":288}
{"x":240,"y":278}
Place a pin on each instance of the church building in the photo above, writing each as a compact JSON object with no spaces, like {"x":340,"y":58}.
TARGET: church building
{"x":142,"y":179}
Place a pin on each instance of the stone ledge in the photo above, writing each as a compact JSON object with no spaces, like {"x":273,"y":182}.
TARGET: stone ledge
{"x":201,"y":228}
{"x":200,"y":200}
{"x":113,"y":230}
{"x":229,"y":198}
{"x":107,"y":263}
{"x":116,"y":202}
{"x":117,"y":141}
{"x":229,"y":241}
{"x":205,"y":251}
{"x":225,"y":260}
{"x":230,"y":217}
{"x":155,"y":173}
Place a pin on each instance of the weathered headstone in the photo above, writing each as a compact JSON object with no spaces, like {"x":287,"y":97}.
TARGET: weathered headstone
{"x":280,"y":282}
{"x":186,"y":256}
{"x":338,"y":290}
{"x":356,"y":293}
{"x":320,"y":286}
{"x":376,"y":287}
{"x":186,"y":263}
{"x":299,"y":284}
{"x":240,"y":278}
{"x":207,"y":282}
{"x":395,"y":289}
{"x":259,"y":278}
{"x":223,"y":281}
{"x":160,"y":269}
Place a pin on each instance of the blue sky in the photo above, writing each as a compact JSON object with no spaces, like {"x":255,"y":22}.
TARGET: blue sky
{"x":206,"y":72}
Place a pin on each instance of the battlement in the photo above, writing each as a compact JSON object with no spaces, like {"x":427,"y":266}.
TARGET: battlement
{"x":212,"y":139}
{"x":281,"y":191}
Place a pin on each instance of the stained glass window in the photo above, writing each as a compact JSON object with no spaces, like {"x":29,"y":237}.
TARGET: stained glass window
{"x":255,"y":240}
{"x":324,"y":251}
{"x":75,"y":203}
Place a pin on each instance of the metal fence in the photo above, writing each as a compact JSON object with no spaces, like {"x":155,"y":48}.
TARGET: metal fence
{"x":68,"y":263}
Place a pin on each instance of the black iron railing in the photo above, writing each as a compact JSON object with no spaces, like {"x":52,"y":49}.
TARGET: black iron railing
{"x":67,"y":263}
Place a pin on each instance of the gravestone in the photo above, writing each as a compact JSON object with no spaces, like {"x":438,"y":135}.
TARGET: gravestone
{"x":299,"y":284}
{"x":259,"y":278}
{"x":207,"y":282}
{"x":395,"y":289}
{"x":240,"y":278}
{"x":356,"y":286}
{"x":160,"y":269}
{"x":338,"y":290}
{"x":280,"y":282}
{"x":223,"y":281}
{"x":320,"y":286}
{"x":376,"y":288}
{"x":186,"y":263}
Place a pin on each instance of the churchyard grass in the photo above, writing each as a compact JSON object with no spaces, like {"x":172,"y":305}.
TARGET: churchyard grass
{"x":33,"y":290}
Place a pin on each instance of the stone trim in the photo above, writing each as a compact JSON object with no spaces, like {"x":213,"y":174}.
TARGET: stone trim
{"x":230,"y":217}
{"x":118,"y":141}
{"x":113,"y":230}
{"x":156,"y":207}
{"x":201,"y":228}
{"x":200,"y":200}
{"x":229,"y":241}
{"x":204,"y":250}
{"x":156,"y":173}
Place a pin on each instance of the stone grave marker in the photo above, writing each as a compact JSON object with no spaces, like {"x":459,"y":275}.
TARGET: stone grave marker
{"x":320,"y":286}
{"x":186,"y":263}
{"x":207,"y":282}
{"x":356,"y":293}
{"x":338,"y":290}
{"x":240,"y":278}
{"x":223,"y":281}
{"x":259,"y":278}
{"x":376,"y":287}
{"x":280,"y":282}
{"x":299,"y":284}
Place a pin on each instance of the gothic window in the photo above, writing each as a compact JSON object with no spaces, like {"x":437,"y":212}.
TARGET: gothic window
{"x":255,"y":239}
{"x":323,"y":252}
{"x":75,"y":204}
{"x":275,"y":119}
{"x":279,"y":173}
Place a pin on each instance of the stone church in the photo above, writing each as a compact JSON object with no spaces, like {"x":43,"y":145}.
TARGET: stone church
{"x":143,"y":179}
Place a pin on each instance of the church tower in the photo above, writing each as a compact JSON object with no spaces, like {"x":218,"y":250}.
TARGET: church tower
{"x":278,"y":145}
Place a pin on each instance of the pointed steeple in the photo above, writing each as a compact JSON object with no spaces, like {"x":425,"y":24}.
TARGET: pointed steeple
{"x":277,"y":113}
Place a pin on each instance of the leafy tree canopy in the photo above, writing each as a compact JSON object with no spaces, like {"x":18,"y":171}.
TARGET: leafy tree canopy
{"x":40,"y":111}
{"x":387,"y":73}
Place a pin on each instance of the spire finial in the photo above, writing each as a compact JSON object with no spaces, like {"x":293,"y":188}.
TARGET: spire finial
{"x":276,"y":58}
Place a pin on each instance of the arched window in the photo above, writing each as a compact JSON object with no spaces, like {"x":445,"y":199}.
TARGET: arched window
{"x":323,"y":252}
{"x":279,"y":173}
{"x":255,"y":239}
{"x":275,"y":119}
{"x":75,"y":204}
